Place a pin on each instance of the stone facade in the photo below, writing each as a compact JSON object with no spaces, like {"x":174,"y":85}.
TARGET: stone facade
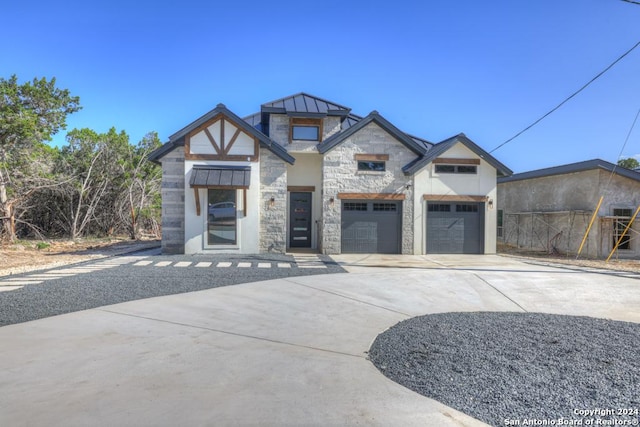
{"x":325,"y":169}
{"x":273,"y":214}
{"x":341,"y":175}
{"x":279,"y":132}
{"x":173,"y":202}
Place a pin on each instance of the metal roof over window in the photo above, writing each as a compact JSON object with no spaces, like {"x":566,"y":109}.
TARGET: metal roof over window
{"x":220,"y":176}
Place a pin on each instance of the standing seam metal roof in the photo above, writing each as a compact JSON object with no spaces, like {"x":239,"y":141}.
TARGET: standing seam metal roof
{"x":220,"y":176}
{"x":305,"y":103}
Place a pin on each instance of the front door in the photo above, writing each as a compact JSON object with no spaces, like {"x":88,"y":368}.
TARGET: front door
{"x":300,"y":220}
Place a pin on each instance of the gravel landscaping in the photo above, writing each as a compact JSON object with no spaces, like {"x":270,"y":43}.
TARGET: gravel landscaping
{"x":518,"y":368}
{"x":128,"y":282}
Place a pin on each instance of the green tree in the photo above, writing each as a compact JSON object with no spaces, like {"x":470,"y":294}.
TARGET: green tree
{"x":94,"y":164}
{"x":629,"y":163}
{"x":30,"y":113}
{"x":140,"y":193}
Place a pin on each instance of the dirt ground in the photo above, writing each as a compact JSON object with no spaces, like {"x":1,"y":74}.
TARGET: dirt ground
{"x":25,"y":256}
{"x":632,"y":265}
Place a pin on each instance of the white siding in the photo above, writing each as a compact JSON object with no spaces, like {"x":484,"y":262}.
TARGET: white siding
{"x":200,"y":144}
{"x":483,"y":183}
{"x":247,"y":226}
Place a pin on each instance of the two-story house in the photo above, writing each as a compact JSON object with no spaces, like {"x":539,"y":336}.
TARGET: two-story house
{"x":305,"y":172}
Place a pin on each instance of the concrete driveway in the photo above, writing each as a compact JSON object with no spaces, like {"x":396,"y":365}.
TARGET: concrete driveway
{"x":283,"y":352}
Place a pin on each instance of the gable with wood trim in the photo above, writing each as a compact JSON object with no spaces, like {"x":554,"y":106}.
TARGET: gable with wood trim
{"x":307,"y":173}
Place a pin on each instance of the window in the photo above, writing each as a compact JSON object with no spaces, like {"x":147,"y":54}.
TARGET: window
{"x":355,"y":206}
{"x":386,"y":207}
{"x":467,"y":208}
{"x":435,"y":207}
{"x":500,"y":223}
{"x":221,"y":217}
{"x":305,"y":133}
{"x":445,"y":169}
{"x":463,"y":169}
{"x":305,"y":129}
{"x":467,"y":169}
{"x":619,"y":225}
{"x":371,"y":166}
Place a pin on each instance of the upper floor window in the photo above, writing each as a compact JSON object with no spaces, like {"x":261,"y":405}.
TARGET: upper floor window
{"x":468,"y":169}
{"x":304,"y":129}
{"x":305,"y":133}
{"x":366,"y":165}
{"x":454,"y":165}
{"x":371,"y":162}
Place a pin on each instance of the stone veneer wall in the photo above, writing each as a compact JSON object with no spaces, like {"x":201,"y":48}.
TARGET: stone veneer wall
{"x":279,"y":128}
{"x":273,"y":218}
{"x":173,"y":202}
{"x":340,"y":175}
{"x":279,"y":132}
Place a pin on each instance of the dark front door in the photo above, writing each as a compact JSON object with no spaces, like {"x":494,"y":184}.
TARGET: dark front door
{"x":300,"y":220}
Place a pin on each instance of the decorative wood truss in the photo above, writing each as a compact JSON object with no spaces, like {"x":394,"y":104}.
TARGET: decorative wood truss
{"x":221,"y":139}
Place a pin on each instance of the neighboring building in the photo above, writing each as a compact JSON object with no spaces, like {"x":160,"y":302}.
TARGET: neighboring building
{"x":550,"y":209}
{"x":306,"y":173}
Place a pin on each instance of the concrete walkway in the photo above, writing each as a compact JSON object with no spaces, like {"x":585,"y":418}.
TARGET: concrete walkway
{"x":283,"y":352}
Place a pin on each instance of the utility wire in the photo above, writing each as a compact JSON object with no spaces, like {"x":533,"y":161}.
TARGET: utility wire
{"x":567,"y":99}
{"x":613,"y":171}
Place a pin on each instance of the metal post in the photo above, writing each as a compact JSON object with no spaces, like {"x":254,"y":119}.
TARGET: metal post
{"x":593,"y":218}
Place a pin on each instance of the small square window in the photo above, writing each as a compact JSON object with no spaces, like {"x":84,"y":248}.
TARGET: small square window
{"x":371,"y":166}
{"x":306,"y":133}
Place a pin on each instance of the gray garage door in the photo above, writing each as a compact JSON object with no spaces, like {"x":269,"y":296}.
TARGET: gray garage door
{"x":455,"y":228}
{"x":371,"y":226}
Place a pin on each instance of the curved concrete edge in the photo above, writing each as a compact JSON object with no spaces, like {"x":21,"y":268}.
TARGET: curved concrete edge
{"x":283,"y":352}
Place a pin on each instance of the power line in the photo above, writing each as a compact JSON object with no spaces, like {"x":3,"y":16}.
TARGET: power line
{"x":622,"y":149}
{"x":631,"y":1}
{"x":568,"y":98}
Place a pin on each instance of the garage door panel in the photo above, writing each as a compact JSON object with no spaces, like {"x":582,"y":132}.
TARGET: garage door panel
{"x":371,"y":227}
{"x":359,"y":236}
{"x":455,"y":228}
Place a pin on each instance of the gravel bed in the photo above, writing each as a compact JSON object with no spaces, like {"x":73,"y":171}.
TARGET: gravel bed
{"x":128,"y":282}
{"x":518,"y":368}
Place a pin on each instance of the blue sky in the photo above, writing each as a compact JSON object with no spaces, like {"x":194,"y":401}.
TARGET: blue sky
{"x":433,"y":68}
